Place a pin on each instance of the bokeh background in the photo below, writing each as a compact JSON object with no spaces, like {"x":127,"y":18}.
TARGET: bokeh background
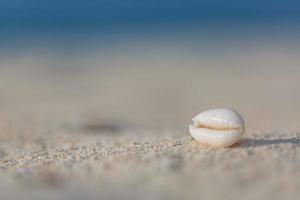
{"x":149,"y":64}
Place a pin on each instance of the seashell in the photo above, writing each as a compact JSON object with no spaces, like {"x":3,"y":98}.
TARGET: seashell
{"x":220,"y":127}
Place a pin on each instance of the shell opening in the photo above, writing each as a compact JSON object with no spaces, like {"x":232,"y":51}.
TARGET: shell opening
{"x":212,"y":127}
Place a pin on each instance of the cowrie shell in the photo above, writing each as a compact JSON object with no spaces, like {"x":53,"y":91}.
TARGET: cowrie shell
{"x":220,"y":127}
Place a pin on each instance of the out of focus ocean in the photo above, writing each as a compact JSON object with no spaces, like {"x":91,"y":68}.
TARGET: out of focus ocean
{"x":150,"y":63}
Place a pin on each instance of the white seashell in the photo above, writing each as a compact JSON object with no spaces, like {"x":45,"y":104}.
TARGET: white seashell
{"x":220,"y":127}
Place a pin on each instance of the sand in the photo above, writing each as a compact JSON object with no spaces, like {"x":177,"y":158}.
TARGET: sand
{"x":128,"y":164}
{"x":117,"y":128}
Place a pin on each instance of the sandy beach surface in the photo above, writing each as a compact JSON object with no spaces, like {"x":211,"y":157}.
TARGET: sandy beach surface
{"x":117,"y":127}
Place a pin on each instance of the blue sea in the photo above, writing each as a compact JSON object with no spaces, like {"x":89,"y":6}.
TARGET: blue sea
{"x":22,"y":20}
{"x":60,"y":13}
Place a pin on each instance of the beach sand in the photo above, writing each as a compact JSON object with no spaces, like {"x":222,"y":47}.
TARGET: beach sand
{"x":117,"y":128}
{"x":134,"y":165}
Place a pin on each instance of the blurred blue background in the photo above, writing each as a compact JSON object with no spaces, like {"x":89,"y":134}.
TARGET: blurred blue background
{"x":152,"y":63}
{"x":71,"y":14}
{"x":25,"y":19}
